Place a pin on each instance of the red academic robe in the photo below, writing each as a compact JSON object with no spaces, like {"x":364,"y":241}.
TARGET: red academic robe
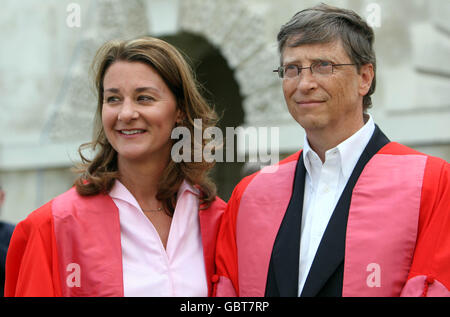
{"x":71,"y":247}
{"x":395,"y":235}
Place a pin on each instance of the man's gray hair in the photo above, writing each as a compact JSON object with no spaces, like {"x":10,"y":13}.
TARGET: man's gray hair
{"x":326,"y":24}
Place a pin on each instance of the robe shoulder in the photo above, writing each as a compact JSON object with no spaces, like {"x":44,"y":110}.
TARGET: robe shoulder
{"x":31,"y":262}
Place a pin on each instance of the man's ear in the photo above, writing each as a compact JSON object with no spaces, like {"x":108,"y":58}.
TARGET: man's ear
{"x":366,"y":75}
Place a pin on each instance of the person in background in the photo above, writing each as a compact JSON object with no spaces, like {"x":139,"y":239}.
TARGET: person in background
{"x":352,"y":214}
{"x":136,"y":223}
{"x":6,"y":230}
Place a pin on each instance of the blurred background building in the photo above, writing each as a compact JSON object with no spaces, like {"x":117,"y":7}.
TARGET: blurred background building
{"x":48,"y":102}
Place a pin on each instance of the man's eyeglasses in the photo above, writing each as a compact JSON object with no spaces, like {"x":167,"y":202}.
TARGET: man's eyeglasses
{"x":320,"y":67}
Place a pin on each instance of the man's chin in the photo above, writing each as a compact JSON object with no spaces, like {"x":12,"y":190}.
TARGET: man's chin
{"x":311,"y":123}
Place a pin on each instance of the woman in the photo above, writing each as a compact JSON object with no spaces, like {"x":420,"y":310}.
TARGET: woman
{"x":136,"y":223}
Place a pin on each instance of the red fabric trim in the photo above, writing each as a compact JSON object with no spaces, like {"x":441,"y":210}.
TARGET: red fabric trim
{"x":224,"y":287}
{"x":432,"y":255}
{"x":209,"y":227}
{"x":394,"y":148}
{"x":425,"y":286}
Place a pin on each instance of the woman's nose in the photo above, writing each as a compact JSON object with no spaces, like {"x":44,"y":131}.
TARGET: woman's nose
{"x":127,"y":112}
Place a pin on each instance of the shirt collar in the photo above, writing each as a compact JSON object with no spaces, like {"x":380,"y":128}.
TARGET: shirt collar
{"x":349,"y":150}
{"x":308,"y":156}
{"x":352,"y":148}
{"x":185,"y":186}
{"x":119,"y":191}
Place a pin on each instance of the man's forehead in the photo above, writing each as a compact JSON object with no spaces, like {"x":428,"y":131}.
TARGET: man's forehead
{"x":315,"y":51}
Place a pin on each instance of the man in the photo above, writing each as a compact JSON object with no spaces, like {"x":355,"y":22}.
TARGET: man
{"x":6,"y":231}
{"x":353,"y":214}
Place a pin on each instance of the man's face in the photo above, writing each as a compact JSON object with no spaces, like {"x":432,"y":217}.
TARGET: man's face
{"x":324,"y":103}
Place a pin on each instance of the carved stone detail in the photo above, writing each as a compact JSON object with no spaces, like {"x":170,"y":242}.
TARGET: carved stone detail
{"x":239,"y":34}
{"x":439,"y":14}
{"x":266,"y":107}
{"x":73,"y":119}
{"x":257,"y":72}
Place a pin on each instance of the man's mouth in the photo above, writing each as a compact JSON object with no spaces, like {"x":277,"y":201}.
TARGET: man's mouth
{"x":309,"y":102}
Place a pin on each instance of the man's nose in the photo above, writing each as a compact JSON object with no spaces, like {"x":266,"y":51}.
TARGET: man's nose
{"x":306,"y":81}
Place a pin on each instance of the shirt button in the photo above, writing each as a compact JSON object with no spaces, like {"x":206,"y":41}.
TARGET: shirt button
{"x":215,"y":278}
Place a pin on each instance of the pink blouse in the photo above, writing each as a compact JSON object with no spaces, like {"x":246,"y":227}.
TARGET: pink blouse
{"x":148,"y":268}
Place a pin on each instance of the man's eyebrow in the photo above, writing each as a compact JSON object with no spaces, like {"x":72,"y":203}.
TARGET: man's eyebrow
{"x":292,"y":60}
{"x":316,"y":59}
{"x":323,"y":59}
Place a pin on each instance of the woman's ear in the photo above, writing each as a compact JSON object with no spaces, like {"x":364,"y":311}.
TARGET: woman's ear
{"x":180,"y":117}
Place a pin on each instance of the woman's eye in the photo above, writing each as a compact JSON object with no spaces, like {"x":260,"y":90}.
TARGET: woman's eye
{"x":112,"y":99}
{"x":145,"y":98}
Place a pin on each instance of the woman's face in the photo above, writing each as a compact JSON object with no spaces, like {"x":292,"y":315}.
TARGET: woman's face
{"x":139,"y":111}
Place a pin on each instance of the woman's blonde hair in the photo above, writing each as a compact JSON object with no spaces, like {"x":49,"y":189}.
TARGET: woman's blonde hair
{"x":98,"y":175}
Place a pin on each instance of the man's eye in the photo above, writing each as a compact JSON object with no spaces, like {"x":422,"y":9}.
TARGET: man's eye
{"x":291,"y":71}
{"x":324,"y":64}
{"x":290,"y":67}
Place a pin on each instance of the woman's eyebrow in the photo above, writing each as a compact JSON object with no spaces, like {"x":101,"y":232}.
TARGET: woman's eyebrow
{"x":113,"y":90}
{"x":141,"y":89}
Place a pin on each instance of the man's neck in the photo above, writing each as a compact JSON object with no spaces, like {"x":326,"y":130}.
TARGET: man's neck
{"x":322,"y":140}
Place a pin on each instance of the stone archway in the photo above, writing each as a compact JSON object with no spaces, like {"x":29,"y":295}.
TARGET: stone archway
{"x":238,"y":33}
{"x":222,"y":91}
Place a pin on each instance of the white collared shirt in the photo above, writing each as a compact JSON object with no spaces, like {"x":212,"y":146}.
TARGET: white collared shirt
{"x":324,"y":184}
{"x":148,"y":268}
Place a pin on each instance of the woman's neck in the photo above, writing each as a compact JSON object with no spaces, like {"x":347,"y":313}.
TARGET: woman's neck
{"x":142,"y":179}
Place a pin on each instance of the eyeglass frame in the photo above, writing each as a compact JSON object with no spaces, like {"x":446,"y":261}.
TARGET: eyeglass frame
{"x":299,"y":69}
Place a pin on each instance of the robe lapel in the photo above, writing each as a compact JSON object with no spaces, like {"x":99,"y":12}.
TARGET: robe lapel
{"x":282,"y":277}
{"x":330,"y":254}
{"x":87,"y":235}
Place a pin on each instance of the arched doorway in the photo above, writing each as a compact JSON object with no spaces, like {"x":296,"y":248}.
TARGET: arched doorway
{"x":221,"y":90}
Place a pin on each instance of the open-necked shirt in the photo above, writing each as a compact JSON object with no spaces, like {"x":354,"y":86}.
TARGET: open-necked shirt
{"x":149,"y":269}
